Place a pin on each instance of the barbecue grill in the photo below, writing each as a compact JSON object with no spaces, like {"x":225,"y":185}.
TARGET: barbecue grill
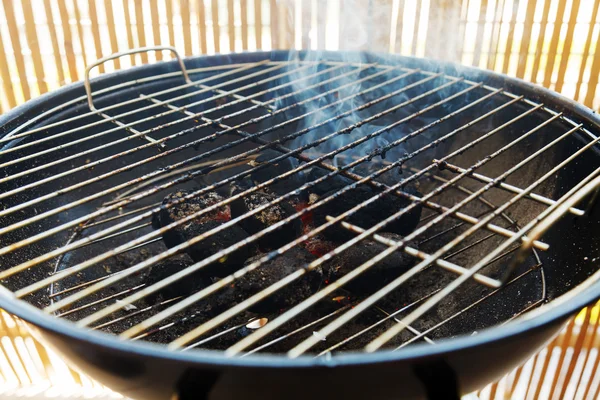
{"x":417,"y":227}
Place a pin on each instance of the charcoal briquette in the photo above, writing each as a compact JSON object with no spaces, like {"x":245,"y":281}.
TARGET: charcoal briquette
{"x":389,"y":178}
{"x":272,"y":272}
{"x":182,"y":287}
{"x":376,"y":276}
{"x":209,"y":221}
{"x":264,"y":276}
{"x":274,"y":170}
{"x":367,"y":216}
{"x":333,"y":183}
{"x":190,"y":206}
{"x":265,"y":218}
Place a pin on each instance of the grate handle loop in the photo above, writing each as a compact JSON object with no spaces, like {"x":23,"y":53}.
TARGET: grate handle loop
{"x":86,"y":82}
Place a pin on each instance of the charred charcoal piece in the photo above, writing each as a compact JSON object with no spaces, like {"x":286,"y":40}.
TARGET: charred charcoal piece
{"x":389,"y":178}
{"x":240,"y":185}
{"x":336,"y":182}
{"x":271,"y":171}
{"x":266,"y":275}
{"x":275,"y":270}
{"x":318,"y":245}
{"x":375,"y":277}
{"x":367,"y":216}
{"x":183,"y":287}
{"x":211,"y":245}
{"x":206,"y":222}
{"x":265,"y":218}
{"x":166,"y":216}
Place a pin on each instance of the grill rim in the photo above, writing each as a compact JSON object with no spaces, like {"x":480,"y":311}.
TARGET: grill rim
{"x":555,"y":312}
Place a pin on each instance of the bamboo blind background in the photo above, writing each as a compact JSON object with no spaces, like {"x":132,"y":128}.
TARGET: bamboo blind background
{"x":28,"y":369}
{"x":45,"y":44}
{"x":48,"y":43}
{"x":566,"y":369}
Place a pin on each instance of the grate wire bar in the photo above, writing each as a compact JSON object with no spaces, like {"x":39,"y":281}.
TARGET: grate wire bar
{"x":230,"y":123}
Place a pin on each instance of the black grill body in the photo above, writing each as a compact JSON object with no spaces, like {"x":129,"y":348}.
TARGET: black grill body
{"x":454,"y":366}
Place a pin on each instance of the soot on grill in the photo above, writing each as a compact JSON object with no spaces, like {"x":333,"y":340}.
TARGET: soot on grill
{"x":204,"y":223}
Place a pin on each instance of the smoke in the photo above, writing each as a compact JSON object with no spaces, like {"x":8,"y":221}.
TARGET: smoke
{"x":339,"y":105}
{"x":349,"y":105}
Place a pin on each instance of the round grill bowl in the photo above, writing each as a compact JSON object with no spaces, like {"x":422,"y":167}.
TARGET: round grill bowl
{"x":458,"y":364}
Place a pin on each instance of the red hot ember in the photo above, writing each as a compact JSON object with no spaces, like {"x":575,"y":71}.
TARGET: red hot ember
{"x":317,"y":244}
{"x":294,"y":259}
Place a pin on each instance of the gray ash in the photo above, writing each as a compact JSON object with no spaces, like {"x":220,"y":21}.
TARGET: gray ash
{"x":375,"y":277}
{"x":266,"y":218}
{"x":182,"y":287}
{"x":209,"y":221}
{"x":190,"y":206}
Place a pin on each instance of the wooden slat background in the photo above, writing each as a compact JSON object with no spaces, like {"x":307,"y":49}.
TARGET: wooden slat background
{"x":45,"y":44}
{"x":30,"y":370}
{"x":566,"y":369}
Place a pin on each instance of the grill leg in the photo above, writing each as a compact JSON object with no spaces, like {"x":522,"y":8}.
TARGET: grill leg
{"x":439,"y":380}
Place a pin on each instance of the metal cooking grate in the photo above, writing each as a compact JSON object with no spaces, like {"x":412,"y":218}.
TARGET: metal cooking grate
{"x":85,"y":185}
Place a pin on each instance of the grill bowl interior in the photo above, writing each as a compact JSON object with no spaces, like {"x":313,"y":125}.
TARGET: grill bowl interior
{"x":474,"y":307}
